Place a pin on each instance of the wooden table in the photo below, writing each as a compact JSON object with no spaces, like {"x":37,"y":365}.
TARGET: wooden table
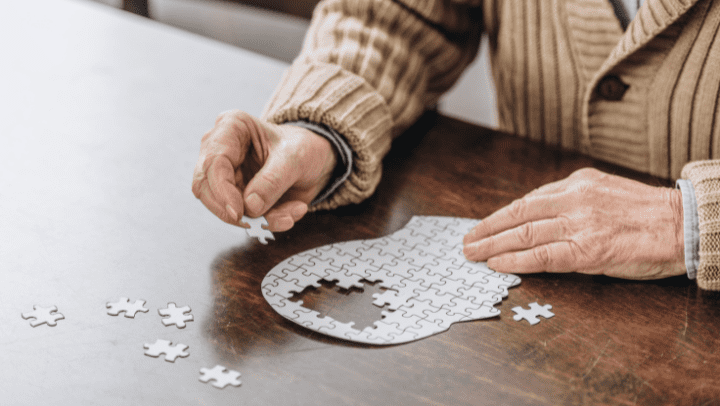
{"x":100,"y":120}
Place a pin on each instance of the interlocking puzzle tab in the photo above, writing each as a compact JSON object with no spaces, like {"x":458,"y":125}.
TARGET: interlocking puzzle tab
{"x":430,"y":285}
{"x":175,"y":315}
{"x":124,"y":305}
{"x":532,"y":315}
{"x":221,"y":378}
{"x":165,"y":347}
{"x":258,"y":229}
{"x":43,"y":315}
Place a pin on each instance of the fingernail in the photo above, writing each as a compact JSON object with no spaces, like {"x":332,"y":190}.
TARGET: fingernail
{"x":254,"y":203}
{"x":231,"y":212}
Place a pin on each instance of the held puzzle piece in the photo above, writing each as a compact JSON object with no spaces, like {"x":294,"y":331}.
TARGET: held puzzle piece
{"x":43,"y":315}
{"x":532,"y":315}
{"x":429,"y":283}
{"x":257,"y":229}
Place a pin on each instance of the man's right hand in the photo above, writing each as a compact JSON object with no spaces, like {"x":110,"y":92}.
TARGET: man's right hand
{"x":252,"y":167}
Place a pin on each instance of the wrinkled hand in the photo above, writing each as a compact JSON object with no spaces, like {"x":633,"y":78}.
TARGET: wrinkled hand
{"x":590,"y":222}
{"x":248,"y":166}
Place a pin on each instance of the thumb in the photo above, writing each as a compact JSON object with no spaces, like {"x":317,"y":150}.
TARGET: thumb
{"x":269,"y":184}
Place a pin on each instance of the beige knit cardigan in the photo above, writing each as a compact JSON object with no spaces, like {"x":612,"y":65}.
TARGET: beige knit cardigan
{"x":369,"y":68}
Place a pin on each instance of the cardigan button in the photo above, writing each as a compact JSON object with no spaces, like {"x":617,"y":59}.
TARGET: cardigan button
{"x":611,"y":88}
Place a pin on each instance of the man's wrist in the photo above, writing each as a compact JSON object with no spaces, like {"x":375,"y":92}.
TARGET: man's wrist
{"x":343,"y":155}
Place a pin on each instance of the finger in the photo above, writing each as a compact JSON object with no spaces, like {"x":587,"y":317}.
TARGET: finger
{"x":553,"y":257}
{"x":520,"y":211}
{"x":520,"y":238}
{"x":232,"y":135}
{"x":268,"y":185}
{"x":284,"y":216}
{"x":208,"y":199}
{"x":222,"y":182}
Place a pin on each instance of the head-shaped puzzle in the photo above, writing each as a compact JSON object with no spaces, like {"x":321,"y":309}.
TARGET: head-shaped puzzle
{"x":430,"y":285}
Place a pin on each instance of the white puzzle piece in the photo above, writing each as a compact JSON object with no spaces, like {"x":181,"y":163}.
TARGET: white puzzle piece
{"x":43,"y":315}
{"x":257,"y":229}
{"x":532,"y":315}
{"x":124,"y":306}
{"x":172,"y":352}
{"x":221,"y":377}
{"x":175,"y":315}
{"x":430,"y":285}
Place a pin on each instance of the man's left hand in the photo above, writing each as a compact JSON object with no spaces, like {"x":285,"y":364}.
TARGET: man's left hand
{"x":590,"y":222}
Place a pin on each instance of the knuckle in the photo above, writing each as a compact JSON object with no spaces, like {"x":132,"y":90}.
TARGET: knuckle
{"x":542,"y":255}
{"x":565,"y":228}
{"x":583,"y":190}
{"x":525,"y":234}
{"x":236,"y":119}
{"x":585,"y":173}
{"x":517,"y":209}
{"x":229,"y":115}
{"x":489,"y":244}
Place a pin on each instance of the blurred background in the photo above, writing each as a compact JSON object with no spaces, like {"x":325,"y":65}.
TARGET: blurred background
{"x":276,"y":28}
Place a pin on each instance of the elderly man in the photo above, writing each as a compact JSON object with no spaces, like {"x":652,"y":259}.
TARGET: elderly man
{"x":629,"y":83}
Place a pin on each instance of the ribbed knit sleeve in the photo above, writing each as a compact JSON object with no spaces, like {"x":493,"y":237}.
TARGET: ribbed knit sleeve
{"x":368,"y":69}
{"x":705,"y":177}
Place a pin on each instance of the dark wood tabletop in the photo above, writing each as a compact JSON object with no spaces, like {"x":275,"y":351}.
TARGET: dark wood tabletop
{"x":101,"y":116}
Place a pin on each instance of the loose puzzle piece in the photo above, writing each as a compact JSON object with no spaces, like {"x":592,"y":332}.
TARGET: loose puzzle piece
{"x":429,"y":283}
{"x":531,"y":315}
{"x":164,"y":347}
{"x":43,"y":315}
{"x":258,"y":229}
{"x":124,"y":305}
{"x":222,"y":378}
{"x":175,"y":315}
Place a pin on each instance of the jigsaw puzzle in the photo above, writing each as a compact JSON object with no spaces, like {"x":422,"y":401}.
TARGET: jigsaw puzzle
{"x":43,"y":315}
{"x":175,"y":315}
{"x":165,"y":347}
{"x":532,"y":315}
{"x":124,"y":305}
{"x":429,"y":283}
{"x":222,"y":378}
{"x":257,"y":229}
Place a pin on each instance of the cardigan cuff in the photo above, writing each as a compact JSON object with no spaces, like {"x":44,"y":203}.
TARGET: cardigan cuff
{"x":705,"y":178}
{"x":691,"y":227}
{"x":326,"y":94}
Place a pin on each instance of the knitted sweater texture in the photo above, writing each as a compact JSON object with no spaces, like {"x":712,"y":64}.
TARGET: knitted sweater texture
{"x":369,"y":68}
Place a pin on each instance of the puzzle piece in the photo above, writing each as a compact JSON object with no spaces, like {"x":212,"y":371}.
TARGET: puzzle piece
{"x":164,"y":347}
{"x":392,"y":298}
{"x":124,"y":305}
{"x":344,"y":280}
{"x":175,"y":315}
{"x":222,"y":378}
{"x":429,"y":283}
{"x":258,"y":229}
{"x":43,"y":315}
{"x":531,"y":315}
